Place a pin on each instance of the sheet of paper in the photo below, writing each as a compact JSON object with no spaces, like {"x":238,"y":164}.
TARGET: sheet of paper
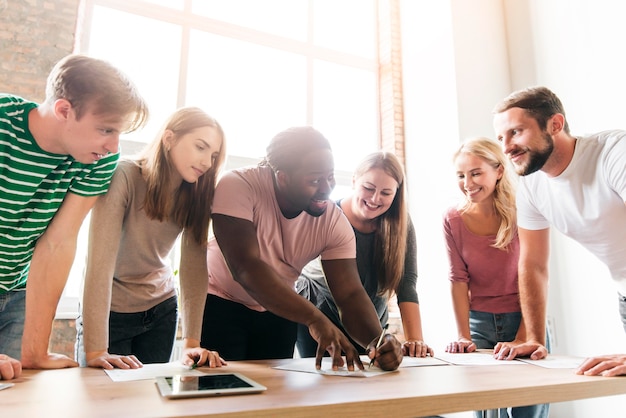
{"x":150,"y":371}
{"x":556,"y":361}
{"x":422,"y":361}
{"x":474,"y":359}
{"x":307,"y":365}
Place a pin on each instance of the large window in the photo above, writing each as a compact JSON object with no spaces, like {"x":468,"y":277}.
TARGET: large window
{"x":257,"y":66}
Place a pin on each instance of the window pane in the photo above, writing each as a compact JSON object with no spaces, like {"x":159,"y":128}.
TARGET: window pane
{"x":148,"y":51}
{"x":345,"y":111}
{"x":281,"y":17}
{"x":346,"y":25}
{"x":253,"y":91}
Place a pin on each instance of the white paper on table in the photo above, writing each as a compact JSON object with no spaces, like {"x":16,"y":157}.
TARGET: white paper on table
{"x":307,"y":365}
{"x":475,"y":359}
{"x":556,"y":361}
{"x":151,"y":371}
{"x":422,"y":361}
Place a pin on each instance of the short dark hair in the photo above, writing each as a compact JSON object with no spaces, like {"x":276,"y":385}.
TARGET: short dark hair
{"x":540,"y":103}
{"x":286,"y":150}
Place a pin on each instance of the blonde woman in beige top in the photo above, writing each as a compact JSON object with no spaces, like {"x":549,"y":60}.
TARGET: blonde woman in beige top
{"x":130,"y":302}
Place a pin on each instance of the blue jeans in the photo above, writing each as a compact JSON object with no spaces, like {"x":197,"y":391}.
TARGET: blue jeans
{"x":148,"y":335}
{"x":12,"y":313}
{"x":487,"y":330}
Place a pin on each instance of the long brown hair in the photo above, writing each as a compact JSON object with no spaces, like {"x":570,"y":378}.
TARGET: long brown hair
{"x":504,"y":194}
{"x":392,"y":226}
{"x":190,"y":206}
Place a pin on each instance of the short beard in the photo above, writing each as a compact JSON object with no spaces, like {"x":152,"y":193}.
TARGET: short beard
{"x":537,"y":159}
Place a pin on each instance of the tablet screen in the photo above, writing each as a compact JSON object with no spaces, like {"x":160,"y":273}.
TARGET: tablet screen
{"x":207,"y":385}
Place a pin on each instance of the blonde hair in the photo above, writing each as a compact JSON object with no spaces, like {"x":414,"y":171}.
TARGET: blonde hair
{"x":392,"y":226}
{"x":504,"y":194}
{"x":190,"y":206}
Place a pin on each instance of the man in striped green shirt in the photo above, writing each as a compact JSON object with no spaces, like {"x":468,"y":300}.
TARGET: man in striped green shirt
{"x":55,"y":160}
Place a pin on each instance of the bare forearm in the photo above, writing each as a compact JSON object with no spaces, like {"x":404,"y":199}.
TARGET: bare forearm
{"x":411,"y":321}
{"x":47,"y":277}
{"x":533,"y":298}
{"x":533,"y":281}
{"x":356,"y":310}
{"x":49,"y":269}
{"x":461,"y":306}
{"x":360,"y":319}
{"x":262,"y":283}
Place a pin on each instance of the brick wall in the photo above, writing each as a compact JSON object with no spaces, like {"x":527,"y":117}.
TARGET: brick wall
{"x":63,"y":337}
{"x":391,"y":105}
{"x":391,"y":97}
{"x":34,"y":35}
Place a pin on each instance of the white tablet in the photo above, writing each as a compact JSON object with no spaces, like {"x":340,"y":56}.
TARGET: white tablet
{"x":214,"y":384}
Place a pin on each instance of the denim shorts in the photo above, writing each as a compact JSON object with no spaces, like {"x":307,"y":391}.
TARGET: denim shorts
{"x":12,"y":313}
{"x":487,"y":329}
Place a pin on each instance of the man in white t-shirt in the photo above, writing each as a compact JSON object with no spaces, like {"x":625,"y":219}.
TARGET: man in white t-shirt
{"x":577,"y":185}
{"x":270,"y":220}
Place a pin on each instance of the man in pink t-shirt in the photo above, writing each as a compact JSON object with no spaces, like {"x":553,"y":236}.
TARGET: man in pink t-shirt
{"x":270,"y":220}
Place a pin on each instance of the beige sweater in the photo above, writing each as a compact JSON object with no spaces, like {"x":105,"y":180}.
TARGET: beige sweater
{"x":128,"y":268}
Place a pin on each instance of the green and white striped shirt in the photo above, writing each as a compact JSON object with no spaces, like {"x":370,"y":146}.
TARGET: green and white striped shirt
{"x":33,"y":184}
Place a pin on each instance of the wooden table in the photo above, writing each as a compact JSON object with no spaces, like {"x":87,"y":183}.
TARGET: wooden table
{"x":410,"y":392}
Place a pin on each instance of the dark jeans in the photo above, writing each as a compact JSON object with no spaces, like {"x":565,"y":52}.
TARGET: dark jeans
{"x":239,"y":333}
{"x":148,"y":335}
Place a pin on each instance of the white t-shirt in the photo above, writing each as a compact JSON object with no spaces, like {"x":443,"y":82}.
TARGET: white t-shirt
{"x":287,"y":245}
{"x":586,"y":201}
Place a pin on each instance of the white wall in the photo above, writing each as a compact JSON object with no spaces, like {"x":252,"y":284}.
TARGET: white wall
{"x":577,"y":52}
{"x":461,"y":57}
{"x":431,"y":129}
{"x":450,"y":88}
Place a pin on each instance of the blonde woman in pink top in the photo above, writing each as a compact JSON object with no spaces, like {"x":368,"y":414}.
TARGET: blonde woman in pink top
{"x":483,"y":250}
